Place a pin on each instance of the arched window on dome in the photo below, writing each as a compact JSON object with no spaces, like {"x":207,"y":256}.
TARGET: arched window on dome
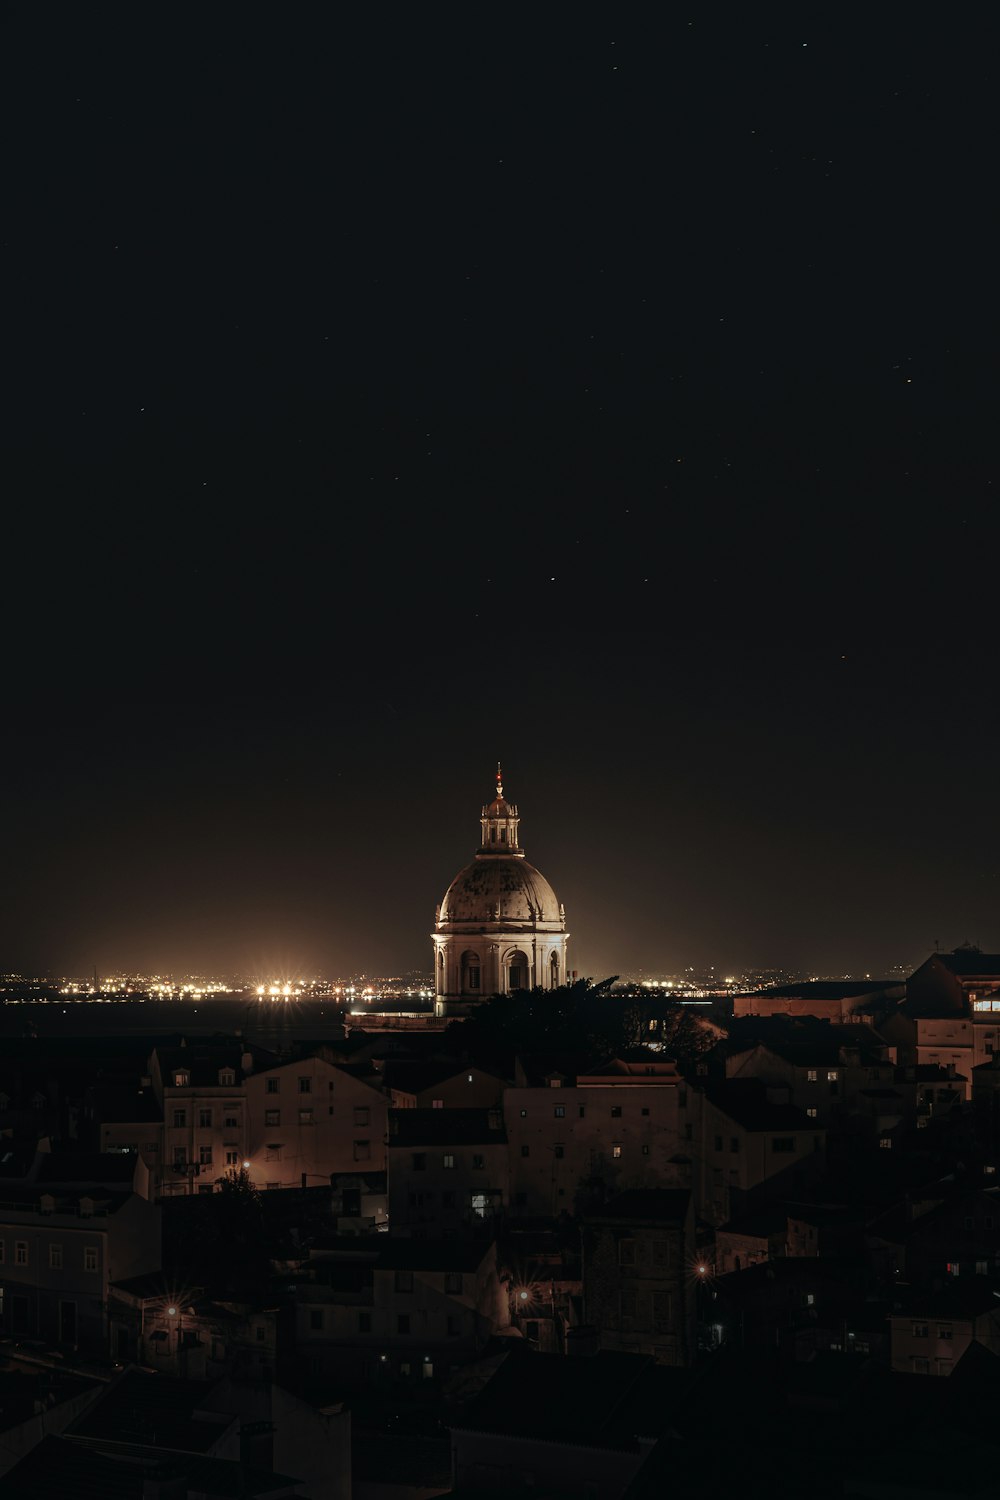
{"x":554,"y":971}
{"x":471,"y":973}
{"x":516,"y":967}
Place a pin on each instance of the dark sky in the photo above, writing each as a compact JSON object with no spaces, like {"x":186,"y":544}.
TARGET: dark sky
{"x":390,"y":392}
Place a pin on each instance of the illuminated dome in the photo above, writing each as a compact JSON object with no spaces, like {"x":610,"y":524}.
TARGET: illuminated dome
{"x":500,"y":926}
{"x":500,"y":889}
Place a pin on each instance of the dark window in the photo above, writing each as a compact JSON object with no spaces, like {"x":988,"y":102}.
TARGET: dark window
{"x":525,"y":1150}
{"x":784,"y":1143}
{"x":645,"y":1109}
{"x":689,"y":1132}
{"x":453,"y":1282}
{"x":205,"y":1155}
{"x":560,"y":1111}
{"x":272,"y":1117}
{"x":454,"y":1326}
{"x":403,"y":1281}
{"x":583,"y":1111}
{"x":305,"y":1085}
{"x":474,"y":979}
{"x":180,"y":1117}
{"x":661,"y":1253}
{"x":734,"y":1143}
{"x":231,"y":1122}
{"x":662,"y":1312}
{"x":403,"y":1323}
{"x":361,"y":1114}
{"x":419,"y":1161}
{"x":364,"y":1322}
{"x":626,"y":1252}
{"x":205,"y":1117}
{"x":273,"y":1085}
{"x":718,"y":1143}
{"x":316,"y":1319}
{"x":616,"y":1111}
{"x":560,"y":1152}
{"x":447,"y":1200}
{"x":478,"y":1162}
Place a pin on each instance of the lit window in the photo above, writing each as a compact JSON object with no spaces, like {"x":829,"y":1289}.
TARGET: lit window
{"x":560,"y":1111}
{"x":885,"y":1142}
{"x":812,"y":1113}
{"x":616,"y":1151}
{"x":306,"y":1117}
{"x":832,"y":1075}
{"x":811,"y":1075}
{"x":448,"y":1161}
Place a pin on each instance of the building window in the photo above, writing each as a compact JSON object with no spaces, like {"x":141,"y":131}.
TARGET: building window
{"x":273,"y":1085}
{"x":3,"y":1251}
{"x":362,"y":1150}
{"x":661,"y":1254}
{"x":205,"y":1156}
{"x":812,"y":1112}
{"x":811,"y":1075}
{"x":316,"y":1319}
{"x":783,"y":1143}
{"x":718,"y":1143}
{"x":919,"y":1331}
{"x":55,"y":1258}
{"x":232,"y":1158}
{"x":582,"y":1112}
{"x":525,"y":1150}
{"x":616,"y":1111}
{"x":364,"y":1322}
{"x":559,"y":1111}
{"x":20,"y":1252}
{"x":453,"y":1283}
{"x":402,"y":1281}
{"x":181,"y":1080}
{"x":403,"y":1323}
{"x":437,"y":1104}
{"x":559,"y":1151}
{"x":524,"y":1114}
{"x":305,"y":1085}
{"x":689,"y":1132}
{"x":272,"y":1153}
{"x":362,"y":1114}
{"x":448,"y":1161}
{"x":454,"y":1326}
{"x":231,"y":1122}
{"x":419,"y":1161}
{"x":663,"y":1307}
{"x":645,"y":1150}
{"x":272,"y":1117}
{"x":832,"y":1075}
{"x":205,"y":1118}
{"x":474,"y":977}
{"x":478,"y":1163}
{"x":448,"y":1200}
{"x":734,"y":1143}
{"x":90,"y":1258}
{"x":306,"y":1117}
{"x":626,"y":1252}
{"x":644,"y":1110}
{"x":946,"y":1332}
{"x":885,"y":1142}
{"x":180,"y":1156}
{"x":616,"y":1151}
{"x":226,"y":1078}
{"x":627,"y":1302}
{"x":180,"y":1117}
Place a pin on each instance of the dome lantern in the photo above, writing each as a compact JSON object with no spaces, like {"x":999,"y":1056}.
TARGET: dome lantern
{"x":500,"y":821}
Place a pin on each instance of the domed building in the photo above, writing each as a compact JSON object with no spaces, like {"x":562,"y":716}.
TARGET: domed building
{"x":500,"y":927}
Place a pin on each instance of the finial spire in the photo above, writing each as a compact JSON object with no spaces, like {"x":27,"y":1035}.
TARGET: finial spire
{"x":499,"y":781}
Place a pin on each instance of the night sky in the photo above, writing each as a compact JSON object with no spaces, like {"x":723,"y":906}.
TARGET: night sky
{"x":394,"y":391}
